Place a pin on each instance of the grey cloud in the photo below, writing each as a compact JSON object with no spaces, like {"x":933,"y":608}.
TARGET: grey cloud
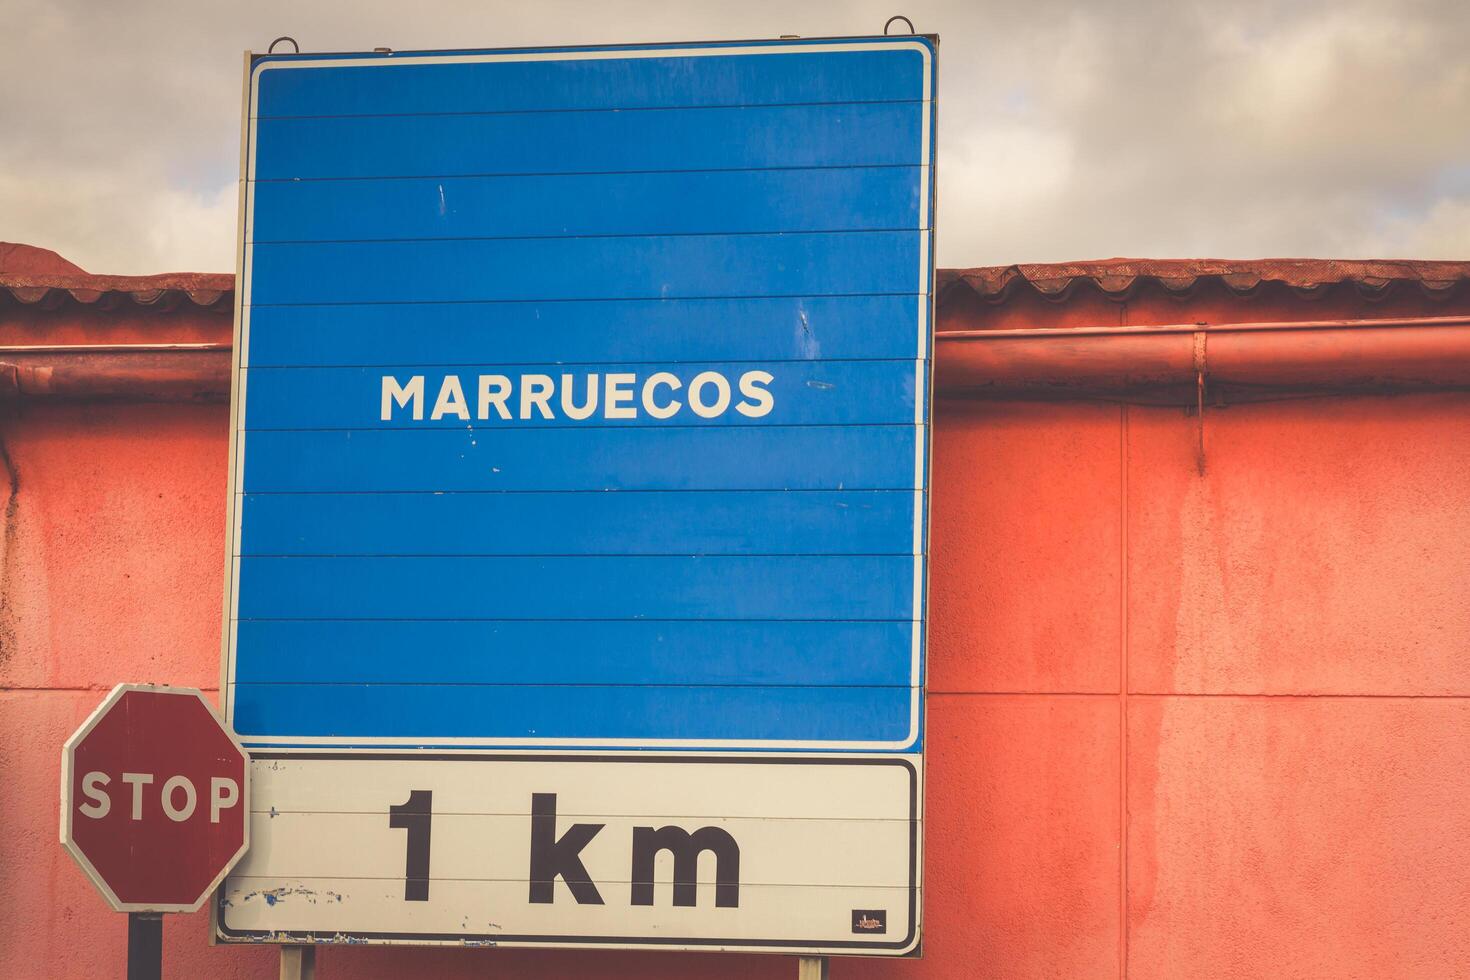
{"x":1067,"y":130}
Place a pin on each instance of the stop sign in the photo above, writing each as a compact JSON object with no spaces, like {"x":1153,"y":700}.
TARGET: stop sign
{"x":154,"y":795}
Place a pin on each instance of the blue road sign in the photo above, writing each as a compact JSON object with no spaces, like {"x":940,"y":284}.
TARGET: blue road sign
{"x":583,"y":399}
{"x":580,"y":467}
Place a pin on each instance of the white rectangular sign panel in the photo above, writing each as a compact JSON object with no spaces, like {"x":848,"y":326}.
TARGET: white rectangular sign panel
{"x":613,"y":850}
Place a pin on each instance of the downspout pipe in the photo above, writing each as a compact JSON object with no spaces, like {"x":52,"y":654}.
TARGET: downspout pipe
{"x":1155,"y":364}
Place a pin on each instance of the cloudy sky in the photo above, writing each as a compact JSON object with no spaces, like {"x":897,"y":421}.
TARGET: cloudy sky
{"x":1236,"y":129}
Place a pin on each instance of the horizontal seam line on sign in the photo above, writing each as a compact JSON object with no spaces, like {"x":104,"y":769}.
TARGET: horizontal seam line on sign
{"x":582,"y":554}
{"x":568,"y":299}
{"x":277,"y":812}
{"x":538,"y":619}
{"x":555,"y":365}
{"x":553,"y":491}
{"x":523,"y":880}
{"x":595,"y":490}
{"x":580,"y":299}
{"x":684,"y":686}
{"x":388,"y":619}
{"x":589,"y":173}
{"x":661,"y":300}
{"x":619,"y":756}
{"x":498,"y":426}
{"x":808,"y":755}
{"x":592,"y":109}
{"x":775,"y":233}
{"x":806,"y":752}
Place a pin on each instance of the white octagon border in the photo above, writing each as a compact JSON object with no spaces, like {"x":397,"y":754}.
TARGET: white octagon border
{"x":68,"y":752}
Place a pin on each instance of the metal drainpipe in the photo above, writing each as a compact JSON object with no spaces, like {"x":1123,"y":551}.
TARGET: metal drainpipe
{"x":1168,"y":363}
{"x":1157,"y":363}
{"x":116,"y":372}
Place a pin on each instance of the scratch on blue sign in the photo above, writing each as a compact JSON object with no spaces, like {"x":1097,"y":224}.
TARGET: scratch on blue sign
{"x":806,"y":341}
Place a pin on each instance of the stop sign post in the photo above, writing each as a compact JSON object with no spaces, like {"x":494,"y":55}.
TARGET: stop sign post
{"x":154,"y":803}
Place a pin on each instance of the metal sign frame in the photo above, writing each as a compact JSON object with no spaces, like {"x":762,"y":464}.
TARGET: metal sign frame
{"x":777,"y":752}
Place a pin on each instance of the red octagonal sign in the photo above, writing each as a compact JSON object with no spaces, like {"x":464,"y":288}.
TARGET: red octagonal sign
{"x":154,"y":798}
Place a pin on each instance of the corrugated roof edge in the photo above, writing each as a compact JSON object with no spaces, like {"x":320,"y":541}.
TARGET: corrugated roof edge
{"x":1115,"y":278}
{"x":1118,"y":277}
{"x":210,"y":290}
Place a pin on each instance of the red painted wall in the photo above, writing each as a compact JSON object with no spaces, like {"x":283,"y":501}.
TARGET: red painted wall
{"x":1190,"y":726}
